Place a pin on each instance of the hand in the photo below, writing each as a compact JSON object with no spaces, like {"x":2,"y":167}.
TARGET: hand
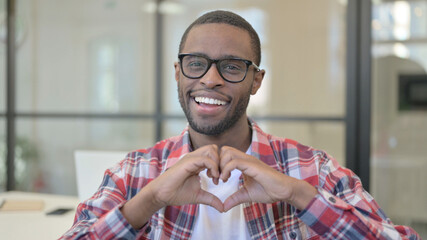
{"x":179,"y":185}
{"x":262,"y":183}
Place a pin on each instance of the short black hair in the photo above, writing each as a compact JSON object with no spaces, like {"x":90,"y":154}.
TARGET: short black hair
{"x":230,"y":18}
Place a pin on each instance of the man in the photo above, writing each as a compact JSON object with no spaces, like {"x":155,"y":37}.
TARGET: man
{"x":224,"y":178}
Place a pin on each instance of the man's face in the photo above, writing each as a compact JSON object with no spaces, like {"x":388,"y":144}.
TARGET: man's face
{"x":211,"y":104}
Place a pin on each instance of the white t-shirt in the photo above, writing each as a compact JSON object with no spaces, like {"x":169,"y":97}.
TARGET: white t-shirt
{"x":211,"y":224}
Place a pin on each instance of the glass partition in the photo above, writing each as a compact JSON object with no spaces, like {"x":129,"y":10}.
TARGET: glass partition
{"x":45,"y":148}
{"x":399,"y":111}
{"x":75,"y":58}
{"x":84,"y":56}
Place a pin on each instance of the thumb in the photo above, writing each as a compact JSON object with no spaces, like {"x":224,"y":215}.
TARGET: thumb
{"x":208,"y":198}
{"x":241,"y":196}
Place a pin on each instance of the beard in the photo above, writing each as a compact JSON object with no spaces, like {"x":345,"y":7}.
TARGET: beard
{"x":215,"y":129}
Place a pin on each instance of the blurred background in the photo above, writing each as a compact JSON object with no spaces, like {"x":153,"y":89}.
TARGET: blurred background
{"x":348,"y":77}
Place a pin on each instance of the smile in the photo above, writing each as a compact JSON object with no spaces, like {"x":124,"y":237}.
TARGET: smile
{"x":211,"y":101}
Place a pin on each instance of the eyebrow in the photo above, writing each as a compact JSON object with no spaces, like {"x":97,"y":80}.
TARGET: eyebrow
{"x":222,"y":57}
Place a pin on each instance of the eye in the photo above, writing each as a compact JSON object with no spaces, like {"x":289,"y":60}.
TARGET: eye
{"x":233,"y":66}
{"x":196,"y":64}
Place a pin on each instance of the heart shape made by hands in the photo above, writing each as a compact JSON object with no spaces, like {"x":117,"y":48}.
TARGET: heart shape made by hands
{"x":224,"y":189}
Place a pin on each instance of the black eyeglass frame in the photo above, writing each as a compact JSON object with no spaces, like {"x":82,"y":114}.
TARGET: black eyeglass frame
{"x":216,"y":61}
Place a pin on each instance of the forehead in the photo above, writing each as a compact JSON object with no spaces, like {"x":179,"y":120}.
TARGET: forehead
{"x":218,"y":40}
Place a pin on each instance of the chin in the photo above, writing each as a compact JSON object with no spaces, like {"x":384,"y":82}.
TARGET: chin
{"x":211,"y":129}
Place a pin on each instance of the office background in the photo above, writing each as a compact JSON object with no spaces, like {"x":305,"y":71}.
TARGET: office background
{"x":98,"y":74}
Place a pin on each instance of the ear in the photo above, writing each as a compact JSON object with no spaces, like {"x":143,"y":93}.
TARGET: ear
{"x":259,"y":76}
{"x":177,"y":71}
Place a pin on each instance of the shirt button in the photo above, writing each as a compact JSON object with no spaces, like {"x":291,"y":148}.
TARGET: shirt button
{"x":293,"y":235}
{"x":148,"y":230}
{"x":332,"y":200}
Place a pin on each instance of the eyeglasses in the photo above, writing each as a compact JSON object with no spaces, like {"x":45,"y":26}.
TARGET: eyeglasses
{"x":231,"y":69}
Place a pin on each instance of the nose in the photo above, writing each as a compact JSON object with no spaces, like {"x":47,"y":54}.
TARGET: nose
{"x":212,"y":79}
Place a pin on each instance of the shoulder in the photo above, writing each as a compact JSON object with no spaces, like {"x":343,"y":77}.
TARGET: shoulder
{"x":292,"y":149}
{"x":287,"y":149}
{"x":160,"y":150}
{"x":313,"y":165}
{"x":296,"y":159}
{"x":151,"y":161}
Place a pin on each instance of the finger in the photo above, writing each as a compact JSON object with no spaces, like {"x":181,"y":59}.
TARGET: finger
{"x":214,"y":179}
{"x":249,"y":166}
{"x":239,"y":164}
{"x":214,"y":156}
{"x":208,"y":198}
{"x":201,"y":159}
{"x":211,"y":166}
{"x":203,"y":163}
{"x":226,"y":155}
{"x":191,"y":166}
{"x":211,"y":152}
{"x":239,"y":197}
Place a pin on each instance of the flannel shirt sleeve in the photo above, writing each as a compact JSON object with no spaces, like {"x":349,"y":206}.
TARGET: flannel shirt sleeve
{"x":342,"y":209}
{"x":100,"y":217}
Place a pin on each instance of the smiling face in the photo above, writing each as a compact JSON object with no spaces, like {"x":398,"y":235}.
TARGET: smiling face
{"x":211,"y":104}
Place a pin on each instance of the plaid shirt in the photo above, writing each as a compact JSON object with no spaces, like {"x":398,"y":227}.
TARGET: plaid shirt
{"x":341,"y":210}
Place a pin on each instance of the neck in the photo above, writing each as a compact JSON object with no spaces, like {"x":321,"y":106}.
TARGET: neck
{"x":239,"y":136}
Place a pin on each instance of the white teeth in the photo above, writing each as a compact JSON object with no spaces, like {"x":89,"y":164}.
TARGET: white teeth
{"x":209,"y":101}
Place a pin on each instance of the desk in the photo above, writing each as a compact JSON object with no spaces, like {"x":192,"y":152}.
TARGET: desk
{"x":36,"y":224}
